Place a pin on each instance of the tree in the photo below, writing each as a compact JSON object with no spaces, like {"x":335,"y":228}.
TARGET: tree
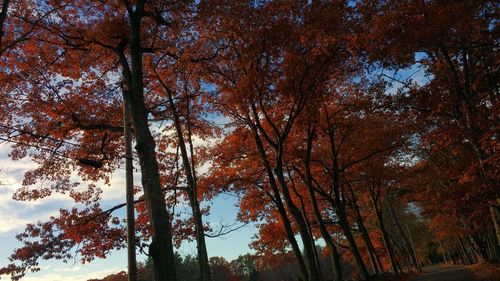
{"x":244,"y":268}
{"x":319,"y":141}
{"x":459,"y":104}
{"x":256,"y":86}
{"x":221,"y":270}
{"x":96,"y":46}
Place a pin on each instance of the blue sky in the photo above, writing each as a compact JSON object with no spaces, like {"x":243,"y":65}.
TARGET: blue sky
{"x":14,"y":215}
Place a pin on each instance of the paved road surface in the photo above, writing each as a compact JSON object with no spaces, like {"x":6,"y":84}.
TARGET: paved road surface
{"x":445,"y":273}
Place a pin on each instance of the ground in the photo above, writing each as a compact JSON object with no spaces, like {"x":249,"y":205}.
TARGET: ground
{"x":389,"y":277}
{"x":442,"y":272}
{"x":445,"y":273}
{"x":486,"y":271}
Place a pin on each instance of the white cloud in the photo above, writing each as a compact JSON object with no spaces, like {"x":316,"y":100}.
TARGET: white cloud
{"x":62,"y":273}
{"x":14,"y":215}
{"x":68,"y":269}
{"x":8,"y":224}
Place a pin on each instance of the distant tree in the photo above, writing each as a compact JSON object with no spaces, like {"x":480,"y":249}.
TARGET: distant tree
{"x":187,"y":267}
{"x":221,"y":270}
{"x":456,"y":109}
{"x":244,"y":268}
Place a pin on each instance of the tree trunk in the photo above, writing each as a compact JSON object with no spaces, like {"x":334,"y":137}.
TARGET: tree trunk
{"x":201,"y":247}
{"x":476,"y":249}
{"x":308,"y":181}
{"x":162,"y":251}
{"x":3,"y":17}
{"x":340,"y":208}
{"x":406,"y":242}
{"x":129,"y":179}
{"x":414,"y":251}
{"x":291,"y":238}
{"x":464,"y":251}
{"x":277,"y":172}
{"x":461,"y":254}
{"x":279,"y":205}
{"x":464,"y":95}
{"x":308,"y":224}
{"x":385,"y":235}
{"x":161,"y":247}
{"x":495,"y":217}
{"x":337,"y":269}
{"x":299,"y":220}
{"x":443,"y":252}
{"x":377,"y":266}
{"x":344,"y":224}
{"x":387,"y":243}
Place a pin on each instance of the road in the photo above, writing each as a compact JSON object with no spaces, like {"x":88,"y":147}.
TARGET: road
{"x":445,"y":273}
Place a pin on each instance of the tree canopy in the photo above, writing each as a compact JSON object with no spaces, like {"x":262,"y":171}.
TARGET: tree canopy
{"x":367,"y":127}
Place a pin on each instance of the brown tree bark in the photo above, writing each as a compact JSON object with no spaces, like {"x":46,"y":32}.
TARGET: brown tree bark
{"x":279,"y":204}
{"x":299,"y":220}
{"x":276,"y":173}
{"x":375,"y":196}
{"x":161,"y":248}
{"x":306,"y":219}
{"x":337,"y":269}
{"x":334,"y":254}
{"x":192,"y":190}
{"x":374,"y":258}
{"x":129,"y":178}
{"x":464,"y":94}
{"x":340,"y":207}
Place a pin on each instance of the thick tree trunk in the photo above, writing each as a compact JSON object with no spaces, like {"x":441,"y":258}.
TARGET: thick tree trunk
{"x":340,"y":208}
{"x":314,"y":273}
{"x":337,"y":269}
{"x":161,"y":247}
{"x":344,"y":224}
{"x":308,"y":223}
{"x":308,"y":181}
